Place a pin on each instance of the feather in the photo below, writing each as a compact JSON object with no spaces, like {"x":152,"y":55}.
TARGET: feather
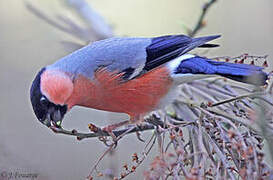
{"x":165,"y":48}
{"x":239,"y":72}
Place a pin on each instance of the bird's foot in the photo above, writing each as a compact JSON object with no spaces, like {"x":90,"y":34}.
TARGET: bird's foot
{"x":110,"y":128}
{"x":114,"y":138}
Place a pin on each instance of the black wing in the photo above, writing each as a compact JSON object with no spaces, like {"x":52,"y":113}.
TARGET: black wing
{"x":165,"y":48}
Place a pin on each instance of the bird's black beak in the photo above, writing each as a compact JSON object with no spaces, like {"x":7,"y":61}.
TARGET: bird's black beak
{"x":53,"y":117}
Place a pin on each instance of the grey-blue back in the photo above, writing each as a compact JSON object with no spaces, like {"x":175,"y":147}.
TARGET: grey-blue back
{"x":116,"y":54}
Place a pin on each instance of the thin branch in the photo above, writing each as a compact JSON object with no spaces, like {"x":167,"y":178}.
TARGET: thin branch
{"x":117,"y":133}
{"x":38,"y":13}
{"x":97,"y":27}
{"x":200,"y":23}
{"x":220,"y":154}
{"x":147,"y":149}
{"x":250,"y":95}
{"x":99,"y":160}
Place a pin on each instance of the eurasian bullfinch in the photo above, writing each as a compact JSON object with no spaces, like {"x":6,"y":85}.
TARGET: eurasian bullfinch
{"x":128,"y":75}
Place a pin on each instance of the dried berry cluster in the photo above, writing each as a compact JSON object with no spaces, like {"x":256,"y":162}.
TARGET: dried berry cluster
{"x":225,"y":138}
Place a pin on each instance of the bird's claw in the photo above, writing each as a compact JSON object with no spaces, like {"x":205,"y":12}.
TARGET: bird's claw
{"x":114,"y":138}
{"x":52,"y":123}
{"x":139,"y":136}
{"x":55,"y":124}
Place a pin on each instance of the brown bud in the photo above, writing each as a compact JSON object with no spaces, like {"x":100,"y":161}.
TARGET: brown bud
{"x":209,"y":104}
{"x":172,"y":136}
{"x":135,"y":157}
{"x":231,"y":134}
{"x":93,"y":128}
{"x":213,"y":152}
{"x":260,"y":156}
{"x":180,"y":133}
{"x":266,"y":174}
{"x":243,"y":154}
{"x":74,"y":131}
{"x":171,"y":155}
{"x":250,"y":150}
{"x":89,"y":177}
{"x":232,"y":168}
{"x":133,"y":169}
{"x":228,"y":145}
{"x":209,"y":172}
{"x":122,"y":175}
{"x":194,"y":171}
{"x":79,"y":138}
{"x":241,"y":61}
{"x":265,"y":64}
{"x":125,"y":166}
{"x":100,"y":174}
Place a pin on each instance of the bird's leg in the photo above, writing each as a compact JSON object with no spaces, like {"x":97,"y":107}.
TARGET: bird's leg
{"x":112,"y":127}
{"x":137,"y":119}
{"x":134,"y":119}
{"x":109,"y":129}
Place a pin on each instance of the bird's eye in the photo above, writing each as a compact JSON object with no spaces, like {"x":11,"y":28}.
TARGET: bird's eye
{"x":43,"y":101}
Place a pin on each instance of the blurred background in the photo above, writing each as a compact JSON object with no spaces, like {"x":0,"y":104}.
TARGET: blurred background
{"x":27,"y":43}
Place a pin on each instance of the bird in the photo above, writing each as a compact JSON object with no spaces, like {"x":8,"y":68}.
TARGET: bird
{"x":129,"y":75}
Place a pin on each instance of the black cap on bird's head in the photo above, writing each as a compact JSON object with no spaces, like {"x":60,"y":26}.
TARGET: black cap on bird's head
{"x":47,"y":112}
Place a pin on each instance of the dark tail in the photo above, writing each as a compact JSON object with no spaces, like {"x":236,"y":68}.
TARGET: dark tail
{"x":243,"y":73}
{"x":239,"y":72}
{"x":201,"y":42}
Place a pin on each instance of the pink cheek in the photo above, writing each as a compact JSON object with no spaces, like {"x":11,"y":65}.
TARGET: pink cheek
{"x":57,"y":86}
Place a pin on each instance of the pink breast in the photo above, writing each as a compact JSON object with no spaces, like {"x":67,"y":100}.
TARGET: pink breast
{"x":108,"y":92}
